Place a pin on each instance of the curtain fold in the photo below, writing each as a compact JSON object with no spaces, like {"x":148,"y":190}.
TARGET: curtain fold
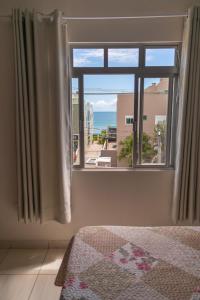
{"x":43,"y":117}
{"x":186,"y":200}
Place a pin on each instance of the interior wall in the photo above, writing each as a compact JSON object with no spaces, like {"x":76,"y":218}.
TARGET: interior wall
{"x":131,"y":30}
{"x":103,"y":7}
{"x":98,"y":197}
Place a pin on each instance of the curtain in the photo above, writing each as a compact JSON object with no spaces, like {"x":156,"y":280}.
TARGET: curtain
{"x":43,"y":117}
{"x":186,"y":200}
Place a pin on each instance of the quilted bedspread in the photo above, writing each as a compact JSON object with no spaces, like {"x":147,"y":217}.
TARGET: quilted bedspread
{"x":129,"y":263}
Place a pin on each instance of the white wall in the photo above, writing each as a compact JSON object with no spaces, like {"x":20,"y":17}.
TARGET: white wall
{"x":99,"y":197}
{"x":139,"y":30}
{"x":103,"y":7}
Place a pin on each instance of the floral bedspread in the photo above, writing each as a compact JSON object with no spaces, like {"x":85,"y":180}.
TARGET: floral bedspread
{"x":134,"y":263}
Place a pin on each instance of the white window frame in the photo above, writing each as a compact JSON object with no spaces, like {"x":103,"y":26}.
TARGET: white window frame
{"x":140,"y":73}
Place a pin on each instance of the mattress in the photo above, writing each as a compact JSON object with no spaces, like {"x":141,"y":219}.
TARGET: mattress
{"x":128,"y":263}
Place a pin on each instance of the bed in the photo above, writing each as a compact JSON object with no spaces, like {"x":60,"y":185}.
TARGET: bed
{"x":129,"y":263}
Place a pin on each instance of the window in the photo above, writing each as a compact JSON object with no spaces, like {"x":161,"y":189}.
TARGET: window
{"x":160,"y":57}
{"x":154,"y":129}
{"x":123,"y":57}
{"x":106,"y":99}
{"x":123,"y":109}
{"x":88,"y":57}
{"x":75,"y":122}
{"x":128,"y":120}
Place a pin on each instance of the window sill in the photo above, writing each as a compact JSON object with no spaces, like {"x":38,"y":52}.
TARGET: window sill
{"x":138,"y":169}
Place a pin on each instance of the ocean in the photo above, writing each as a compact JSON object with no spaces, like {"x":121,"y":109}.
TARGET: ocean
{"x":104,"y":119}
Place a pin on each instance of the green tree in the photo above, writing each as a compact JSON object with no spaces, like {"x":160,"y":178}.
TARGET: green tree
{"x":148,"y":151}
{"x":126,"y":151}
{"x":95,"y":137}
{"x":159,"y":138}
{"x":102,"y":137}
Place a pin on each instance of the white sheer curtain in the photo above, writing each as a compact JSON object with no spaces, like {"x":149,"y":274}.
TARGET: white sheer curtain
{"x":186,"y":201}
{"x":43,"y":117}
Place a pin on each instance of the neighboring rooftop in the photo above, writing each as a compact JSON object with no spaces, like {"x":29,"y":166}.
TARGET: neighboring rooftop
{"x":160,"y":87}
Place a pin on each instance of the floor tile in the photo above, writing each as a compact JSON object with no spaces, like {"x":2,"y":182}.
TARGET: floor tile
{"x":16,"y":287}
{"x":3,"y":253}
{"x":44,"y":288}
{"x":52,"y":261}
{"x":20,"y":261}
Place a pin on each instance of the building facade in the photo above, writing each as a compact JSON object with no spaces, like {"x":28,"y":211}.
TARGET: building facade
{"x":154,"y":113}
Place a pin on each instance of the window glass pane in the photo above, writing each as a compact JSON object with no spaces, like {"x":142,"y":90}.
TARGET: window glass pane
{"x":160,"y":57}
{"x":123,"y":57}
{"x":108,"y":99}
{"x":75,"y":121}
{"x":154,"y":133}
{"x":88,"y":57}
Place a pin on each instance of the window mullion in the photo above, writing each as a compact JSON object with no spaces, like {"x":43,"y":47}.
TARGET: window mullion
{"x":105,"y":57}
{"x":169,"y":122}
{"x":175,"y":107}
{"x":140,"y":120}
{"x":135,"y":123}
{"x":81,"y":118}
{"x":142,"y":57}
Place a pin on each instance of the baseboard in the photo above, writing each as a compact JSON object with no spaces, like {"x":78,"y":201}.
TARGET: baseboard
{"x":33,"y":244}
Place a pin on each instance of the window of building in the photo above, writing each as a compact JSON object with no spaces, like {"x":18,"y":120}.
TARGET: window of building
{"x":128,"y":120}
{"x":124,"y":112}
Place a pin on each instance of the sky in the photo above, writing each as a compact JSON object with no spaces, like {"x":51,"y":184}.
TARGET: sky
{"x":106,"y":83}
{"x":115,"y":83}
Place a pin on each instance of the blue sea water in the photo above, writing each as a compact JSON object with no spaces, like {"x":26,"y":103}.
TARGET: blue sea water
{"x":104,"y":119}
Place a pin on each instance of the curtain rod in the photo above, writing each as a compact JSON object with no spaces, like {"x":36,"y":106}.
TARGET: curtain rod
{"x":125,"y":18}
{"x":123,"y":43}
{"x":113,"y":18}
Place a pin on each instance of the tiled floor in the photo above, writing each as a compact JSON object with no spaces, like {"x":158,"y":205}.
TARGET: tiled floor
{"x":29,"y":274}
